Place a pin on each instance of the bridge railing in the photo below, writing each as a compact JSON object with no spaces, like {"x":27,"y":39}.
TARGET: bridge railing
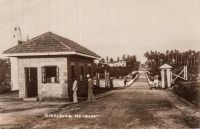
{"x":132,"y":80}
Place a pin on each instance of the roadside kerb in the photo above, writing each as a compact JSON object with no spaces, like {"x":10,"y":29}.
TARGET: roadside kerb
{"x":104,"y":94}
{"x":182,"y":99}
{"x":187,"y":110}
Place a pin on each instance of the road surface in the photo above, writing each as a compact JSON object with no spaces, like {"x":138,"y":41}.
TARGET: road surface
{"x":133,"y":107}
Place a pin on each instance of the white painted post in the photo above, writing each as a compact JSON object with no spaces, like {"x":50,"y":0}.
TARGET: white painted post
{"x":14,"y":74}
{"x":184,"y":72}
{"x":168,"y":78}
{"x":163,"y":78}
{"x":17,"y":38}
{"x":186,"y":77}
{"x":105,"y":79}
{"x":171,"y":77}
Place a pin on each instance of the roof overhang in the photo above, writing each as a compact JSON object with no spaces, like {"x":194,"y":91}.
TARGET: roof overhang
{"x":49,"y":54}
{"x":165,"y":66}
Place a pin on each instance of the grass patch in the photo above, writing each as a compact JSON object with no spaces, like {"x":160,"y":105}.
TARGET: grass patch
{"x":188,"y":91}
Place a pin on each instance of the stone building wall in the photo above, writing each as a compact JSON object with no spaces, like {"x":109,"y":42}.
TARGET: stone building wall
{"x":44,"y":89}
{"x":63,"y":89}
{"x":77,"y":62}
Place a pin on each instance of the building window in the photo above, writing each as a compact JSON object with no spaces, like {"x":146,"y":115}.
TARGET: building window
{"x":50,"y":74}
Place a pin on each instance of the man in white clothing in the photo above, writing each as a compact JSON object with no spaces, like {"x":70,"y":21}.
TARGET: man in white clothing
{"x":74,"y":89}
{"x":90,"y":88}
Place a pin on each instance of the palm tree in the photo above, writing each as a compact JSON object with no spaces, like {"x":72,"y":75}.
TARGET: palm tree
{"x":123,"y":57}
{"x":167,"y":54}
{"x":111,"y":60}
{"x":193,"y":57}
{"x":171,"y":56}
{"x":176,"y":56}
{"x":162,"y":58}
{"x":182,"y":59}
{"x":147,"y":55}
{"x":196,"y":58}
{"x":107,"y":58}
{"x":118,"y":59}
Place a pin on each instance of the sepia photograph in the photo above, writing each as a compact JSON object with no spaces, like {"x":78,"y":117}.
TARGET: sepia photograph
{"x":99,"y":64}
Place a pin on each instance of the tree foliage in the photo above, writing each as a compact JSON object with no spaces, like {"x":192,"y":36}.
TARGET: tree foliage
{"x":173,"y":57}
{"x":107,"y":59}
{"x":102,"y":60}
{"x":131,"y":60}
{"x":4,"y":69}
{"x":111,"y":60}
{"x":118,"y":59}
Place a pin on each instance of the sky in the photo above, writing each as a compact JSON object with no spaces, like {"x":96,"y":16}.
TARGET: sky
{"x":107,"y":27}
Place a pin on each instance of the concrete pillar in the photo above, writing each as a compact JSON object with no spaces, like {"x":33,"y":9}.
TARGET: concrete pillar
{"x":163,"y":78}
{"x":105,"y":78}
{"x":168,"y":78}
{"x":14,"y":74}
{"x":171,"y":77}
{"x":186,"y":70}
{"x":166,"y":75}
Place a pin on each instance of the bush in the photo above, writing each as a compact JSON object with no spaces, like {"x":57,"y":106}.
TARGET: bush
{"x":189,"y":91}
{"x":4,"y":75}
{"x":151,"y":78}
{"x":5,"y":86}
{"x":2,"y":70}
{"x":154,"y":71}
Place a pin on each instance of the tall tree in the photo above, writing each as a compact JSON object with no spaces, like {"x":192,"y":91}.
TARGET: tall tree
{"x":124,"y":57}
{"x":102,"y":60}
{"x":118,"y":59}
{"x":111,"y":60}
{"x":2,"y":70}
{"x":107,"y":59}
{"x":173,"y":57}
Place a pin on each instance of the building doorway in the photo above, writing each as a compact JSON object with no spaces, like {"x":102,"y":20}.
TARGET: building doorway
{"x":31,"y":82}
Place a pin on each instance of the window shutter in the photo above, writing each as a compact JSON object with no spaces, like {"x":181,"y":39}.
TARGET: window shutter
{"x":44,"y":75}
{"x":57,"y":74}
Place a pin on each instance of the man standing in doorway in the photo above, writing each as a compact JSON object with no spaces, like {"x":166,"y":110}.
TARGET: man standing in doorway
{"x":90,"y":88}
{"x":74,"y":89}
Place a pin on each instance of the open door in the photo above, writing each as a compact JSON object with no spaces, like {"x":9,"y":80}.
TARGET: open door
{"x":31,"y":82}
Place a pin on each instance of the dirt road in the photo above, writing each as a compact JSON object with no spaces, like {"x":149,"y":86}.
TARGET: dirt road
{"x":133,"y":107}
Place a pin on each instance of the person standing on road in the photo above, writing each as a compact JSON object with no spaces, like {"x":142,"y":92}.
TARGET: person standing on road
{"x":74,"y":89}
{"x":90,"y":88}
{"x":111,"y":83}
{"x":124,"y":81}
